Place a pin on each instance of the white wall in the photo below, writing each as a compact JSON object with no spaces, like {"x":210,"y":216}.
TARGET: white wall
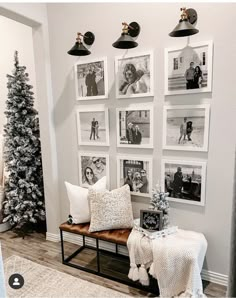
{"x":21,"y":39}
{"x":35,"y":16}
{"x":156,"y":21}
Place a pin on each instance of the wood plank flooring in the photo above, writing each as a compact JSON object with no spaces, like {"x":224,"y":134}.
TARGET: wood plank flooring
{"x":47,"y":253}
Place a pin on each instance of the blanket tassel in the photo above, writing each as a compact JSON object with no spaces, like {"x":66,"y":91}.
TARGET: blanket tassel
{"x":143,"y":276}
{"x":151,"y":270}
{"x":133,"y":272}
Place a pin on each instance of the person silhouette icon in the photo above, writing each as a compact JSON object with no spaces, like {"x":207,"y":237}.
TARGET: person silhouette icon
{"x":16,"y":282}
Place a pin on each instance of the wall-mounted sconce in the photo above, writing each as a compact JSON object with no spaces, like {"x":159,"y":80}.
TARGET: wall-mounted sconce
{"x":79,"y":49}
{"x":126,"y":39}
{"x":185,"y":26}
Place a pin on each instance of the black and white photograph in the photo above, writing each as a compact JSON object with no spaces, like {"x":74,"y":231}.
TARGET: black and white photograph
{"x":135,"y":126}
{"x":93,"y":167}
{"x":137,"y":173}
{"x":186,"y":127}
{"x":93,"y":125}
{"x":184,"y":181}
{"x":189,"y":69}
{"x":91,"y":79}
{"x":134,"y":75}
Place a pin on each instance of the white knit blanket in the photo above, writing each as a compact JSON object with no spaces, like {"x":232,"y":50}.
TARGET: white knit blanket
{"x":175,"y":261}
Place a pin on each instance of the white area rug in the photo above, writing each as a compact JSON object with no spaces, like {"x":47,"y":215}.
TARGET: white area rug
{"x":41,"y":281}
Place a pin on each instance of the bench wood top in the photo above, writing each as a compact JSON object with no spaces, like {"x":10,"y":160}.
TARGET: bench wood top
{"x":119,"y":236}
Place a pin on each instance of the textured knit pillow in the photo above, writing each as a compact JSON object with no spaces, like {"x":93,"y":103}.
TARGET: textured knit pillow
{"x":110,"y":209}
{"x":78,"y":197}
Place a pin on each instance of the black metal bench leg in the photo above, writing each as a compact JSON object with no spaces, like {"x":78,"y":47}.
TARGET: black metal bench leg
{"x":117,"y":249}
{"x":62,"y":247}
{"x":98,"y":256}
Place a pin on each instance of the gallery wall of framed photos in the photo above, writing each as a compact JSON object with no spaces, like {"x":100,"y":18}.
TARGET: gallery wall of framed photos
{"x":160,"y":110}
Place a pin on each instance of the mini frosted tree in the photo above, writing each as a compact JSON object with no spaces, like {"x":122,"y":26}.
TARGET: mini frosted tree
{"x":24,"y":194}
{"x":160,"y":202}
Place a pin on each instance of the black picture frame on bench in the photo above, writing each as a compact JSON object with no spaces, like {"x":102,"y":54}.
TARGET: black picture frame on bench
{"x":151,"y":220}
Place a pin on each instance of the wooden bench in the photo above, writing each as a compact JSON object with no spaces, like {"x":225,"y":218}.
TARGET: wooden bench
{"x":118,"y":237}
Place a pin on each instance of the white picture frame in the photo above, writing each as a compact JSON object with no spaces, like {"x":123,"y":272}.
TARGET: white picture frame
{"x":177,"y":62}
{"x":135,"y":164}
{"x":134,"y":75}
{"x":138,"y":120}
{"x":186,"y":127}
{"x":91,"y":79}
{"x":87,"y":134}
{"x":98,"y":163}
{"x":188,"y":188}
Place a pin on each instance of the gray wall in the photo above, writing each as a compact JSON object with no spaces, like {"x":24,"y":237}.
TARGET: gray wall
{"x":216,"y":22}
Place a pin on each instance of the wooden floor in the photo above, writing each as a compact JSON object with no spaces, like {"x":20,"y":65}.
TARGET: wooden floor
{"x":47,"y":253}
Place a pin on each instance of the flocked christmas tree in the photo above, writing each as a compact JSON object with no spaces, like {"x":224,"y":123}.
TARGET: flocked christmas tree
{"x":159,"y":201}
{"x":24,"y":195}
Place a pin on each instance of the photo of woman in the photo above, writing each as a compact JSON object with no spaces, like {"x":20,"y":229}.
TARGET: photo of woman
{"x":89,"y":178}
{"x":197,"y":77}
{"x":134,"y":75}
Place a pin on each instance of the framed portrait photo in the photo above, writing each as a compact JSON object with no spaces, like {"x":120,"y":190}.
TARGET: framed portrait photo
{"x":92,"y":167}
{"x":184,"y":181}
{"x":137,"y":173}
{"x":151,"y":220}
{"x":189,"y":69}
{"x":91,"y":80}
{"x":135,"y":126}
{"x":134,"y":75}
{"x":93,"y":125}
{"x":186,"y":127}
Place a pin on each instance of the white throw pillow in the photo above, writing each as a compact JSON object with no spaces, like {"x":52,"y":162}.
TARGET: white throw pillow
{"x":110,"y":209}
{"x":78,"y":197}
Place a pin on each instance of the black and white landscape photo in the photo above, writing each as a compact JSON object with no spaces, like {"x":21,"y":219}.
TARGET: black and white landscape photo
{"x":189,"y":69}
{"x":135,"y":126}
{"x":186,"y":127}
{"x":134,"y":75}
{"x":91,"y":79}
{"x":93,"y":126}
{"x":184,"y":181}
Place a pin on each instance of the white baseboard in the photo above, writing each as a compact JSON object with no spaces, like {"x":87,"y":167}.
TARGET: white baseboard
{"x":215,"y":277}
{"x":207,"y":275}
{"x":52,"y":237}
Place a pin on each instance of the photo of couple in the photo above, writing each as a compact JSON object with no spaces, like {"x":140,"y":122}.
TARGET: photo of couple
{"x":91,"y":80}
{"x":186,"y":127}
{"x":193,"y":76}
{"x":92,"y":169}
{"x":92,"y":126}
{"x":188,"y":69}
{"x":134,"y":127}
{"x":134,"y":76}
{"x":94,"y":130}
